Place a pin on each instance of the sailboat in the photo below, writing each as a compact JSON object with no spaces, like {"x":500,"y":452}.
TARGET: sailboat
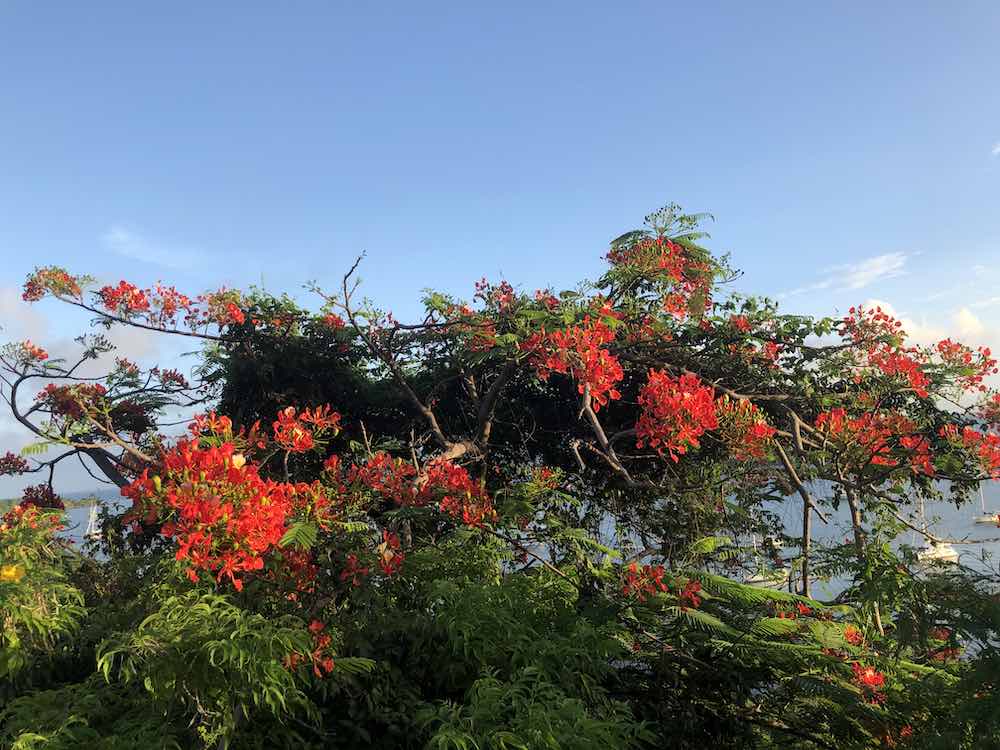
{"x":934,"y":550}
{"x":769,"y":578}
{"x":93,"y":529}
{"x":985,"y":517}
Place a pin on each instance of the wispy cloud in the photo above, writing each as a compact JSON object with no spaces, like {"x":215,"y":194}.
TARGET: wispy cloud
{"x":988,"y":302}
{"x":850,"y":276}
{"x":130,"y":243}
{"x":996,"y":149}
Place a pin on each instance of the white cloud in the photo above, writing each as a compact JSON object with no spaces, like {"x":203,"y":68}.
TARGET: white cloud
{"x":850,"y":276}
{"x":988,"y":302}
{"x":921,"y":333}
{"x":996,"y":149}
{"x":962,"y":325}
{"x":968,"y":324}
{"x":20,"y":320}
{"x":130,"y":243}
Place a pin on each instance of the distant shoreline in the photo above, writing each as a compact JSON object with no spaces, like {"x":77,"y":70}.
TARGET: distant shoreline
{"x":83,"y":502}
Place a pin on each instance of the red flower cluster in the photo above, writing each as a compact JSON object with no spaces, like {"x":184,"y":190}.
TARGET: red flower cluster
{"x":771,"y":351}
{"x":354,"y":572}
{"x":578,"y":351}
{"x":853,"y":636}
{"x":32,"y":353}
{"x":167,"y":303}
{"x":457,"y":493}
{"x":902,"y":364}
{"x":675,"y":413}
{"x":388,"y":476}
{"x":689,"y":597}
{"x":321,"y":657}
{"x":224,"y":516}
{"x":975,"y":367}
{"x":871,"y":682}
{"x":872,"y":436}
{"x":390,"y":557}
{"x":880,"y":337}
{"x":11,"y":464}
{"x":501,"y":296}
{"x":216,"y":424}
{"x":443,"y":482}
{"x":50,"y":280}
{"x":124,"y":299}
{"x":743,"y":428}
{"x":72,"y":401}
{"x":41,"y":496}
{"x":986,"y":446}
{"x":639,"y":582}
{"x":292,"y":433}
{"x":740,"y":323}
{"x":223,"y":307}
{"x":333,"y":321}
{"x":161,"y":305}
{"x":990,"y":410}
{"x":546,"y":299}
{"x":170,"y":378}
{"x":32,"y":516}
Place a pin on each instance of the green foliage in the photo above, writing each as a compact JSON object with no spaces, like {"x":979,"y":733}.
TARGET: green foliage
{"x":201,"y":655}
{"x":603,"y":599}
{"x":39,"y":608}
{"x":527,"y":713}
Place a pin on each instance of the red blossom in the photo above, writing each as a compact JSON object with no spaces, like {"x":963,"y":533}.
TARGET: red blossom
{"x":743,"y":428}
{"x":224,"y":516}
{"x":639,"y":582}
{"x":675,"y":413}
{"x":740,"y":323}
{"x":290,"y":433}
{"x":853,"y":636}
{"x":442,"y":482}
{"x":689,"y":595}
{"x":12,"y":464}
{"x":872,"y":438}
{"x":973,"y":367}
{"x":984,"y":445}
{"x":215,"y":424}
{"x":579,"y":351}
{"x":71,"y":401}
{"x":124,"y":299}
{"x":333,"y":321}
{"x":879,"y":338}
{"x":871,"y":682}
{"x":354,"y":571}
{"x":390,"y":558}
{"x":41,"y":496}
{"x":51,"y":280}
{"x":32,"y":353}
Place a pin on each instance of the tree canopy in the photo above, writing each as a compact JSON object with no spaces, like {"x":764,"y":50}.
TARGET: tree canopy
{"x":525,"y":520}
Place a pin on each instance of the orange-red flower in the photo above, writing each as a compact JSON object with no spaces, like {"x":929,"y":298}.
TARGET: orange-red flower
{"x":676,"y":412}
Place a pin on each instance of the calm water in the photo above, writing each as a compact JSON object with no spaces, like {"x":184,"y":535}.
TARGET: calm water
{"x":978,"y":545}
{"x":979,"y":548}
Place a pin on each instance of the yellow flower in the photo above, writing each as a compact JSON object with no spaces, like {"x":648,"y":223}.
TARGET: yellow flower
{"x":238,"y":460}
{"x":11,"y":573}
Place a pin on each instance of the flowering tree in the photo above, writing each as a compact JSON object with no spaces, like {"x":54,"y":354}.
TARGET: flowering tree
{"x":520,"y":521}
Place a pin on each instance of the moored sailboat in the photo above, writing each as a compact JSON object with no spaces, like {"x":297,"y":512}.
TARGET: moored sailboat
{"x":985,"y":517}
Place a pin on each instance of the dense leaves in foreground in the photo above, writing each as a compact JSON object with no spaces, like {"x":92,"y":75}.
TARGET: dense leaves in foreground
{"x":526,"y":521}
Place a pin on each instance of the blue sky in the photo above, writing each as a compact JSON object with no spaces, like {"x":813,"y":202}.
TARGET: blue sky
{"x":848,"y":152}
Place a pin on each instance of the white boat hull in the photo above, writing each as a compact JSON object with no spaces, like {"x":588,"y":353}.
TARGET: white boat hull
{"x":938,"y":553}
